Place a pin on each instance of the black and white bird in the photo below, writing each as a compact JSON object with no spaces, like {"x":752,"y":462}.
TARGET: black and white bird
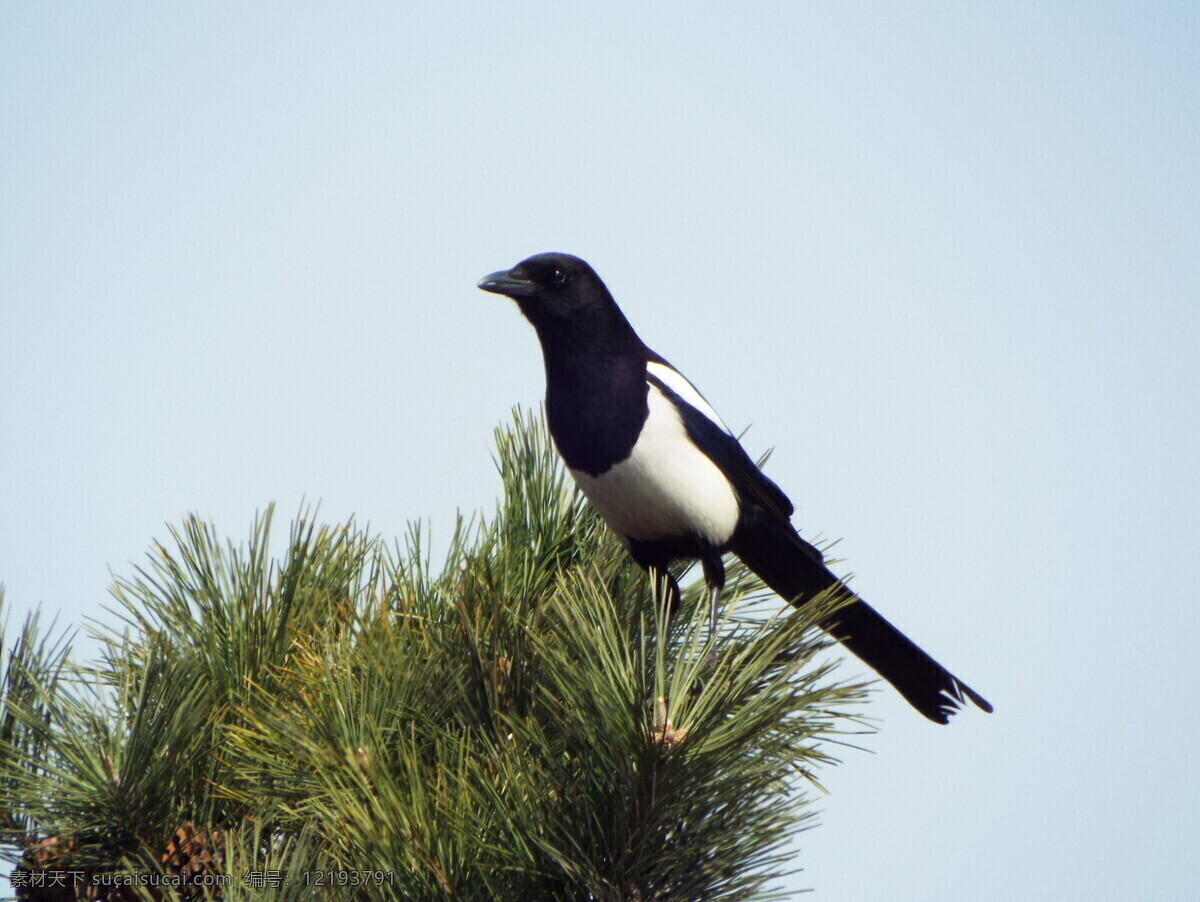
{"x":671,"y":479}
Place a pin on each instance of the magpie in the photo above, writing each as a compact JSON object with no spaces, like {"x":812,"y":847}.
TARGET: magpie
{"x":672,"y":481}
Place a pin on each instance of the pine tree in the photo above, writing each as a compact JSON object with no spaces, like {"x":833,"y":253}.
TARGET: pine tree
{"x":349,"y":721}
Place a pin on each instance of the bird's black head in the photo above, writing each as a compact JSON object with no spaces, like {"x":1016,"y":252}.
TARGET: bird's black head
{"x":551,"y":287}
{"x":568,"y":305}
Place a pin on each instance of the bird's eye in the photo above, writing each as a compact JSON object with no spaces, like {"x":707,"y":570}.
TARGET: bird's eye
{"x":558,"y":277}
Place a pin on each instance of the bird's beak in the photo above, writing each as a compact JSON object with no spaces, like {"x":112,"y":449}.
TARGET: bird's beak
{"x":504,"y":282}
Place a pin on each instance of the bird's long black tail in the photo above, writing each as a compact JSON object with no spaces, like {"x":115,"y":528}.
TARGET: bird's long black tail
{"x":796,"y":570}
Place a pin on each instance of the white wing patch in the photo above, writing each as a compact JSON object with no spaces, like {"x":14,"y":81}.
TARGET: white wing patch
{"x":676,"y":381}
{"x":667,"y":486}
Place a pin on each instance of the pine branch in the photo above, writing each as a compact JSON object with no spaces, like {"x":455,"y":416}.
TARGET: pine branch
{"x":519,"y":723}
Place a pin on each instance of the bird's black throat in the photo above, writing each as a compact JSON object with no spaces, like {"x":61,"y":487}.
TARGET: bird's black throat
{"x":596,"y":405}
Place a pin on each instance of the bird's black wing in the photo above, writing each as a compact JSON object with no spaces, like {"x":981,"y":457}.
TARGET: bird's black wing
{"x":723,"y":449}
{"x":770,"y":546}
{"x":763,"y":504}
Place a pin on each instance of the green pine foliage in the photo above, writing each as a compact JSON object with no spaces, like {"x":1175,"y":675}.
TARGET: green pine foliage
{"x":521,"y":722}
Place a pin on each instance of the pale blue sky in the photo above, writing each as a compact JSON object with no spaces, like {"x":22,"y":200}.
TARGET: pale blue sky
{"x":942,"y":256}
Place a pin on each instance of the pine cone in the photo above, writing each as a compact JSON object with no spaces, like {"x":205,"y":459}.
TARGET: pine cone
{"x":193,"y":852}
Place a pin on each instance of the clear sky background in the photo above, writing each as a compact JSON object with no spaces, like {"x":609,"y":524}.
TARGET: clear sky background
{"x":945,"y":258}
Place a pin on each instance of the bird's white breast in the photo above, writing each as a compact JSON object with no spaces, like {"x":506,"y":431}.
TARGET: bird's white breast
{"x":666,"y":487}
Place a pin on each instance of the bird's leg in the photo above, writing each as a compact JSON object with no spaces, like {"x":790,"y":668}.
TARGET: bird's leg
{"x":714,"y":577}
{"x":665,"y":593}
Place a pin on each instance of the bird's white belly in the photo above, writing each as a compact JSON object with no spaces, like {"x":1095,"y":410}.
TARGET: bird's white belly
{"x":666,"y":487}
